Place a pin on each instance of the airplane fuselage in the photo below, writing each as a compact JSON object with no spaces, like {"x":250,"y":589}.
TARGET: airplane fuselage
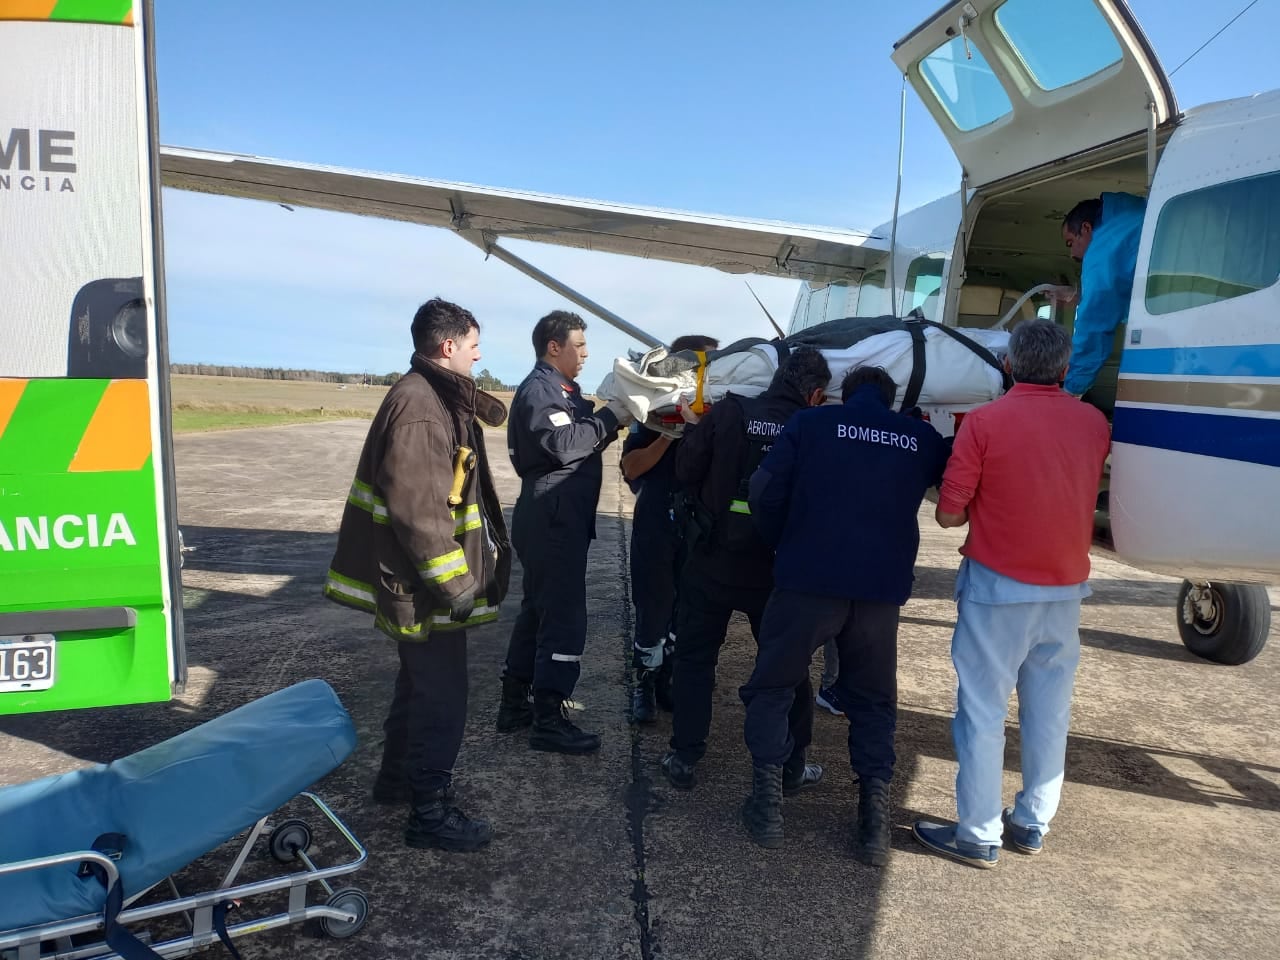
{"x":1193,"y":386}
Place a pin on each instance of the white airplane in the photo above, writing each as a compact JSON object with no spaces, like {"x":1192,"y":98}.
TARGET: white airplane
{"x":1193,"y":384}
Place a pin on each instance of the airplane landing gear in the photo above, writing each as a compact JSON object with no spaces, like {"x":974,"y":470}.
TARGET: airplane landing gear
{"x":1224,"y":622}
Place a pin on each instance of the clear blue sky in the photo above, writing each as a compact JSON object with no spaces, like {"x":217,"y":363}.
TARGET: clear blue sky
{"x":786,"y":111}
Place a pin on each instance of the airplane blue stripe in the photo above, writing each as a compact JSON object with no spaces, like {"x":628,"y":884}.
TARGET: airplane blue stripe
{"x":1247,"y":360}
{"x":1250,"y":439}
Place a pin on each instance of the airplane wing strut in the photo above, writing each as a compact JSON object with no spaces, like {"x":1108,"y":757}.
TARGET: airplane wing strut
{"x":491,"y":247}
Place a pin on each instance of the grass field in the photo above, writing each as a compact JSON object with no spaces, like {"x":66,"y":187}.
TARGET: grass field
{"x":229,"y":403}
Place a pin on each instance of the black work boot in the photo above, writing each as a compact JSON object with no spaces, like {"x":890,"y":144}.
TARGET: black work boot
{"x":514,"y":712}
{"x":435,"y":824}
{"x":554,"y":731}
{"x":679,"y":773}
{"x":762,"y":812}
{"x":797,"y":774}
{"x":873,"y":822}
{"x":644,"y":708}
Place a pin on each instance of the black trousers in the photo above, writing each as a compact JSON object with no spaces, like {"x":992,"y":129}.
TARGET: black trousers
{"x":795,"y":625}
{"x":702,"y":617}
{"x":428,"y":712}
{"x":552,"y":534}
{"x":655,"y":552}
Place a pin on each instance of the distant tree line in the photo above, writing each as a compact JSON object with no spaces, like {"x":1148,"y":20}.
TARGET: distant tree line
{"x":484,"y":379}
{"x":487,"y":381}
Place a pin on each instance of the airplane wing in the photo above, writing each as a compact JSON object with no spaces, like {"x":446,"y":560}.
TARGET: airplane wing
{"x":485,"y":214}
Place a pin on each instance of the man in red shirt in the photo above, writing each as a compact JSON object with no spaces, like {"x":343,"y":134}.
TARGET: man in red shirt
{"x":1024,"y":475}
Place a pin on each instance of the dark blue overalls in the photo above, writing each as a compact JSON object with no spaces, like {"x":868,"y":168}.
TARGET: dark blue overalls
{"x":554,"y":439}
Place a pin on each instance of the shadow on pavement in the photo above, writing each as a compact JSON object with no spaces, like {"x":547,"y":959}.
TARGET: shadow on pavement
{"x":247,"y":637}
{"x":1111,"y":764}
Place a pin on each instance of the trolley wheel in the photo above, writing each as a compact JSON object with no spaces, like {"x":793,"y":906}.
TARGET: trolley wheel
{"x":288,"y":838}
{"x":351,"y":900}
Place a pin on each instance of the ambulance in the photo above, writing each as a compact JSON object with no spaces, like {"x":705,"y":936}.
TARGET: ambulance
{"x":90,"y":602}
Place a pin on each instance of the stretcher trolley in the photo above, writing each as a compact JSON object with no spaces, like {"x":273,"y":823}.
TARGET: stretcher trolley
{"x":88,"y":858}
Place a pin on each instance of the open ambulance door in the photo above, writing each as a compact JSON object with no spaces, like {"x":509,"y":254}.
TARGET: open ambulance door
{"x":90,"y":602}
{"x":1016,"y":85}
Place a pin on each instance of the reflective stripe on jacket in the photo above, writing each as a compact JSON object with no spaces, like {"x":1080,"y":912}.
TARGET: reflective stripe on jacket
{"x":404,"y":553}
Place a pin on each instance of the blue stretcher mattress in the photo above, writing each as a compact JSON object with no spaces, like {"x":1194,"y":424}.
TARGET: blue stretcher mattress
{"x":174,"y":801}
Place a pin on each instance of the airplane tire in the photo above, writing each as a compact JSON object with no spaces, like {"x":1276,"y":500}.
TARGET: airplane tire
{"x":1227,"y":625}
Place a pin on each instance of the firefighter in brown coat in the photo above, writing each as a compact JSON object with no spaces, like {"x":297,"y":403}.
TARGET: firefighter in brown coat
{"x":423,"y":547}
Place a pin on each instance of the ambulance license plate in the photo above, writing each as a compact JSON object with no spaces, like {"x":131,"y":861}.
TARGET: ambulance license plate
{"x":26,"y":663}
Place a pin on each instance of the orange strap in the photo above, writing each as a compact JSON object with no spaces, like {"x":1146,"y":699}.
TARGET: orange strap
{"x":698,"y":406}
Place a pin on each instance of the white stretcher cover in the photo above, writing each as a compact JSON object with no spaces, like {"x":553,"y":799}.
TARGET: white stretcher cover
{"x":933,"y":366}
{"x":173,"y":802}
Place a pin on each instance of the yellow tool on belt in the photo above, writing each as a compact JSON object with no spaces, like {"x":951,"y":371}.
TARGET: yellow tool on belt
{"x":698,"y":406}
{"x":464,"y":461}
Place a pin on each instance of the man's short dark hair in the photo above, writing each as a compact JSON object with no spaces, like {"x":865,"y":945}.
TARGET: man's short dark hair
{"x":555,"y":326}
{"x":1038,"y":352}
{"x":805,"y":370}
{"x":1086,"y":211}
{"x":865,"y":374}
{"x":437,"y":321}
{"x":693,"y":341}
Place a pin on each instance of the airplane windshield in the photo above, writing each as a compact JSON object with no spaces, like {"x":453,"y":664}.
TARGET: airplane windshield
{"x":1077,"y":44}
{"x":961,"y":79}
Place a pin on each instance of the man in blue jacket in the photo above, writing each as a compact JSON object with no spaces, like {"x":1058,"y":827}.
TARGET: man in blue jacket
{"x":838,"y":496}
{"x":1102,"y":236}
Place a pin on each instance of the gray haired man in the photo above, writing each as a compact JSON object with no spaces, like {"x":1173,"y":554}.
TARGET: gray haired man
{"x":1024,"y":475}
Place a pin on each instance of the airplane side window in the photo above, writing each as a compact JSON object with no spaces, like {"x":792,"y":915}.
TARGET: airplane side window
{"x":838,"y":301}
{"x":818,"y":305}
{"x":811,"y":306}
{"x":873,"y":299}
{"x":1078,"y":27}
{"x":924,"y":281}
{"x":962,"y":80}
{"x":1215,"y":244}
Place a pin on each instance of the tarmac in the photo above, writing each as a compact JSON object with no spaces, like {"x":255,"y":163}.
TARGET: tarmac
{"x":1164,"y":847}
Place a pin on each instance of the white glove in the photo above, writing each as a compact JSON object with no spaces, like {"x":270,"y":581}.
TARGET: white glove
{"x":624,"y":416}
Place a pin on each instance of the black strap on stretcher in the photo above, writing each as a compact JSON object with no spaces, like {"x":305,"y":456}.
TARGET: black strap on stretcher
{"x":914,"y":384}
{"x":220,"y":912}
{"x":915,"y":324}
{"x":117,"y":936}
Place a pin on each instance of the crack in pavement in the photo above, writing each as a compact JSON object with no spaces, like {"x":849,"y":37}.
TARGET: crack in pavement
{"x":638,"y":793}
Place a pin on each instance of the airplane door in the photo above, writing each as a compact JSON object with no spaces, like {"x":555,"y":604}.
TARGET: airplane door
{"x":1017,"y":84}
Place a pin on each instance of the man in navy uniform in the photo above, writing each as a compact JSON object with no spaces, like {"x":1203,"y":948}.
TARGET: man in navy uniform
{"x":555,"y":438}
{"x":837,"y":496}
{"x":728,"y":567}
{"x":649,"y":467}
